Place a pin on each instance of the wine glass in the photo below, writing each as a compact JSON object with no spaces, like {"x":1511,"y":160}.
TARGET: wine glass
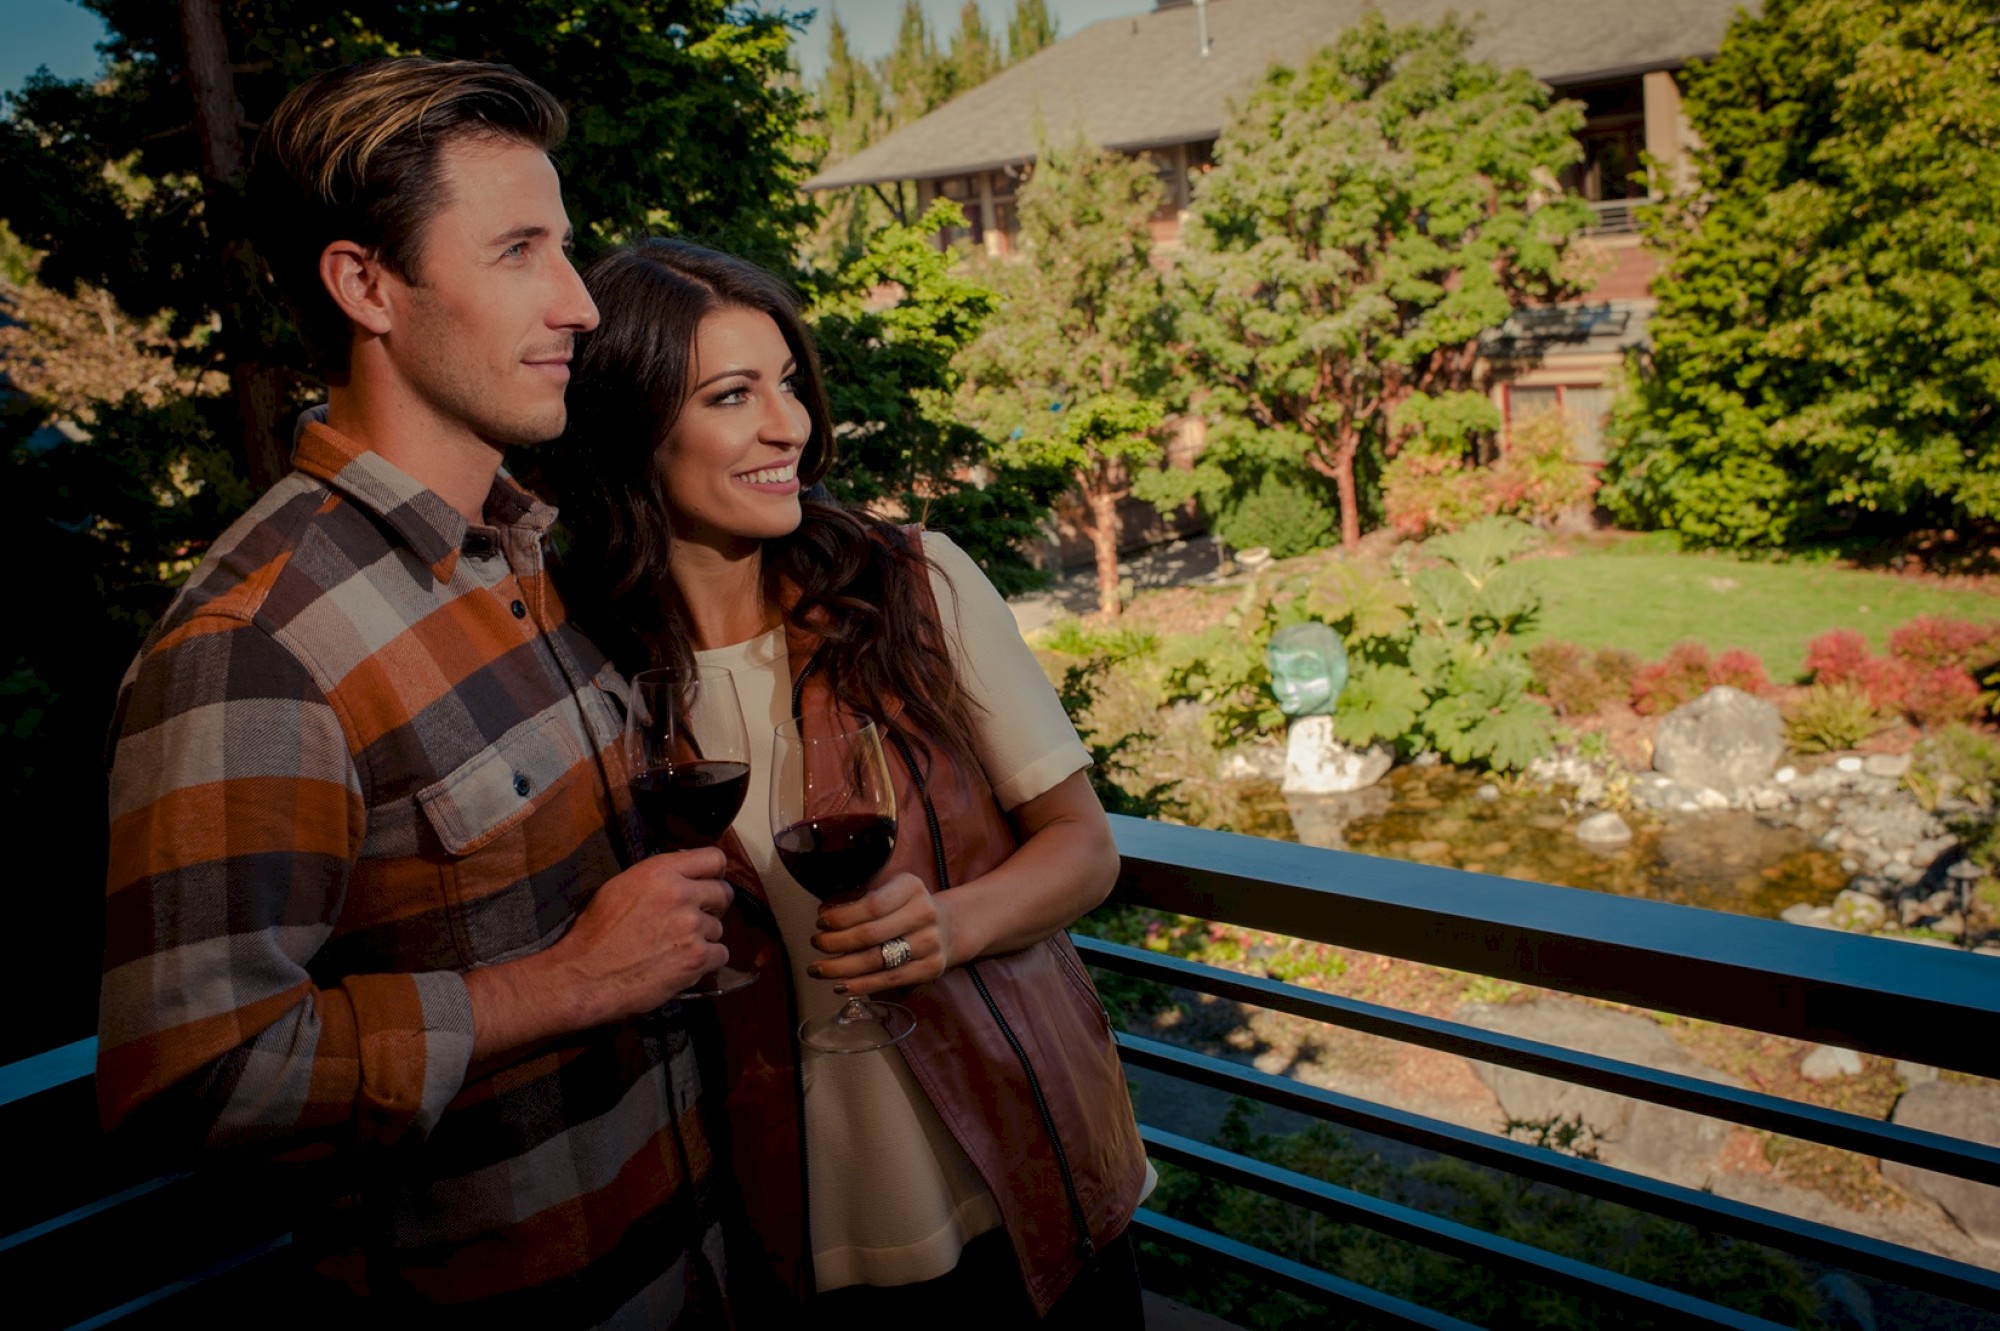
{"x":690,"y":763}
{"x":834,"y":812}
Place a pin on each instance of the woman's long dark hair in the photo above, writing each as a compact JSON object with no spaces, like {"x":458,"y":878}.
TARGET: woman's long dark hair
{"x":629,"y":381}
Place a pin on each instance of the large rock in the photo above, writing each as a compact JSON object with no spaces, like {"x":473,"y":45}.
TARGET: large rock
{"x":1971,"y":1113}
{"x":1632,"y":1134}
{"x":1318,"y":764}
{"x":1725,"y":739}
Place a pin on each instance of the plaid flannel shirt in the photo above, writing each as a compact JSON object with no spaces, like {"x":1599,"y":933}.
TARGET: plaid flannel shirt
{"x":361,"y":754}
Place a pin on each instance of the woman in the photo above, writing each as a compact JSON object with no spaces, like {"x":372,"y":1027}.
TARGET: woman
{"x":995,"y":1143}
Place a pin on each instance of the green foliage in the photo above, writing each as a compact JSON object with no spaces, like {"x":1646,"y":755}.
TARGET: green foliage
{"x":1108,"y":762}
{"x":1068,"y":377}
{"x":1433,"y":484}
{"x":1371,"y":213}
{"x":1831,"y":717}
{"x":1029,"y":29}
{"x":1433,"y":655}
{"x":1076,"y":637}
{"x":1274,"y":503}
{"x":1639,"y":1246}
{"x":1822,"y":352}
{"x":891,"y":383}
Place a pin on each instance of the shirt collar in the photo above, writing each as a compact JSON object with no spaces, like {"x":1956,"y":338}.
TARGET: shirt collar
{"x":433,"y":529}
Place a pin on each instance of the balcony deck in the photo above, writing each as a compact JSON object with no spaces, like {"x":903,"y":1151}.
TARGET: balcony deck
{"x":197,"y":1243}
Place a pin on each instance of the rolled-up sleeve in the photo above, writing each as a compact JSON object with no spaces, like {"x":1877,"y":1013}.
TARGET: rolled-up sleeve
{"x":237,"y":812}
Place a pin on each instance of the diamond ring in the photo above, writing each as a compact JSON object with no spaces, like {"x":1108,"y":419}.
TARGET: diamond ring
{"x":895,"y":952}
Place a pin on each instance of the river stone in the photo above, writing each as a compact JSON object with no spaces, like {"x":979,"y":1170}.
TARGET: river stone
{"x":1857,"y":912}
{"x":1631,"y":1134}
{"x":1725,"y":739}
{"x":1829,"y":1062}
{"x":1318,"y":764}
{"x":1971,"y":1113}
{"x":1886,"y":764}
{"x":1603,"y":829}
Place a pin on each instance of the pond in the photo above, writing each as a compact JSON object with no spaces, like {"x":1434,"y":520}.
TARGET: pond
{"x":1724,"y":860}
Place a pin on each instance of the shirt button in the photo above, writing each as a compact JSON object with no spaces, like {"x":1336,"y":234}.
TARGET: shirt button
{"x":520,"y":610}
{"x":522,"y":785}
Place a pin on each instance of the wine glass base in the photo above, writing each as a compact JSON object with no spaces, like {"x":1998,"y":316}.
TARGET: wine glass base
{"x":878,"y":1027}
{"x":716,"y":983}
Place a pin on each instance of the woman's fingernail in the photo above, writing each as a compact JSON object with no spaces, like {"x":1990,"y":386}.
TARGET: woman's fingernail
{"x":822,"y":926}
{"x":840,"y":988}
{"x":815,"y":972}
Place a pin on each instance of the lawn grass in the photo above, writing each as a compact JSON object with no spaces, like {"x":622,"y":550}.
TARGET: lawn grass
{"x":1645,"y":600}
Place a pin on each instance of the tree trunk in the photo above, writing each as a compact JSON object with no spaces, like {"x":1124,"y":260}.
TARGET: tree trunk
{"x":1350,"y":499}
{"x":1103,"y":503}
{"x":256,"y":385}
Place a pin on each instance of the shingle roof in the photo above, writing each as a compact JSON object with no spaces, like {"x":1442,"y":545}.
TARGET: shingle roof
{"x":1141,"y":82}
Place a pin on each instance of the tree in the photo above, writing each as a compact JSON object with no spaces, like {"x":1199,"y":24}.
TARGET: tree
{"x":914,"y":72}
{"x":1822,"y":360}
{"x":893,"y":384}
{"x":1371,"y":213}
{"x":680,"y":122}
{"x":1029,"y":30}
{"x":974,"y":56}
{"x":1070,"y":376}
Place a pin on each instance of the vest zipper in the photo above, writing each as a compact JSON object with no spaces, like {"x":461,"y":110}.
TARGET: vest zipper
{"x":1086,"y":1248}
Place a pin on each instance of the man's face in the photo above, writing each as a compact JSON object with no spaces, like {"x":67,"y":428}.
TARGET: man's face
{"x":483,"y":336}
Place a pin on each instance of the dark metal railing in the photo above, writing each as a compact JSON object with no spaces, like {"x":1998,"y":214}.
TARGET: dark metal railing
{"x":68,"y":1194}
{"x":1877,"y":995}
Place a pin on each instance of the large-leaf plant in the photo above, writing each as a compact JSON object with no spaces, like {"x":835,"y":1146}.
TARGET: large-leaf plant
{"x":1432,"y":642}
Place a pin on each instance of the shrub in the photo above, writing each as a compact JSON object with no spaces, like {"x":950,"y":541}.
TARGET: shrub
{"x":1433,"y":489}
{"x":1931,"y":642}
{"x":1680,"y":677}
{"x":1740,"y":670}
{"x":1578,"y":682}
{"x":1884,"y":679}
{"x":1287,"y":512}
{"x":1425,"y":491}
{"x":1942,"y":695}
{"x":1836,"y":657}
{"x":1831,"y":716}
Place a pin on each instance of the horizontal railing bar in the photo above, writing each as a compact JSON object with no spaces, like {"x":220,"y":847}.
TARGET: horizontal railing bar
{"x":1854,"y":1252}
{"x":46,"y":1070}
{"x":102,"y":1204}
{"x":1930,"y":1005}
{"x":1446,"y":1236}
{"x":167,"y":1291}
{"x":1293,"y":1277}
{"x":1927,"y":1150}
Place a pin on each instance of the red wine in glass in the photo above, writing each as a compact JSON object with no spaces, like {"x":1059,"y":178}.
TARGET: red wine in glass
{"x":830,"y":855}
{"x":689,"y":805}
{"x":834,"y":811}
{"x":690,"y":760}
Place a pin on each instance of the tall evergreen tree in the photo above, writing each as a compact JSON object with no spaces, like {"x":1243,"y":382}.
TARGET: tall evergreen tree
{"x":914,"y":72}
{"x":1823,"y":352}
{"x":1029,"y":30}
{"x":1069,"y":376}
{"x":1371,"y":213}
{"x":974,"y":56}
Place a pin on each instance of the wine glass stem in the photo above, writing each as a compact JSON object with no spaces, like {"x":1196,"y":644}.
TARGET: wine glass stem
{"x":855,"y":1009}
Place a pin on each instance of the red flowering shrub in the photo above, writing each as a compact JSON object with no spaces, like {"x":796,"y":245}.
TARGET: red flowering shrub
{"x":1932,"y":642}
{"x":1942,"y":694}
{"x":1681,"y":676}
{"x":1883,"y":679}
{"x":1740,"y":670}
{"x":1836,"y":657}
{"x":1578,"y":682}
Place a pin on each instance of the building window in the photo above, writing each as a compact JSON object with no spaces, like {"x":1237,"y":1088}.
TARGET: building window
{"x":1613,"y":137}
{"x":1587,"y":407}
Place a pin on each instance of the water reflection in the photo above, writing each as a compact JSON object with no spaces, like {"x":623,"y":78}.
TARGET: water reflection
{"x":1728,"y":860}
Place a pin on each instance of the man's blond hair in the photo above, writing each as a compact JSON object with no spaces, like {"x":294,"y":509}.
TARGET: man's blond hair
{"x":354,"y":154}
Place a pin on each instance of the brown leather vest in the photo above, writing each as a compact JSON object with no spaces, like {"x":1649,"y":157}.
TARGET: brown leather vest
{"x":1014,"y":1052}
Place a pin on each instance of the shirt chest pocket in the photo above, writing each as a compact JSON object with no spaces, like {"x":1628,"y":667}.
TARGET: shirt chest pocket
{"x":509,"y":823}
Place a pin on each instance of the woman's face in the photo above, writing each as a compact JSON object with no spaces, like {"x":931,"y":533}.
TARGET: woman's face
{"x":730,"y":463}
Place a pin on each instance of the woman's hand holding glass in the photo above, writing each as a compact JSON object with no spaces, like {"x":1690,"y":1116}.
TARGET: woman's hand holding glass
{"x":854,"y":933}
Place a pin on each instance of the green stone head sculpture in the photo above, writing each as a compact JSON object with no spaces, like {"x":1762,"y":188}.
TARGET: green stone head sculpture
{"x":1308,"y":668}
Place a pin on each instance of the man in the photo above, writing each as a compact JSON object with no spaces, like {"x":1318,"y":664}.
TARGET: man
{"x":368,"y":896}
